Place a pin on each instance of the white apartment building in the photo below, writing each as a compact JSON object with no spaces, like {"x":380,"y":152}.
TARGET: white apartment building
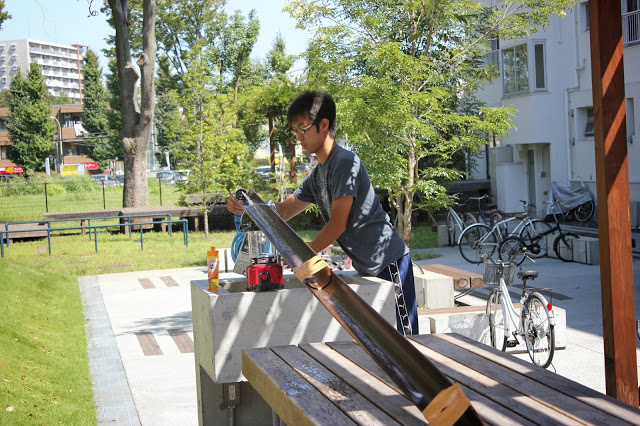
{"x":61,"y":65}
{"x":547,"y":78}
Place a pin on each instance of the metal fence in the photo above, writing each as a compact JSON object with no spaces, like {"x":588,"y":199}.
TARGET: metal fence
{"x":4,"y":234}
{"x":22,"y":200}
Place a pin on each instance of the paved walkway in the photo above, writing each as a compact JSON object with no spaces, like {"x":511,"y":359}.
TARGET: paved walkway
{"x":140,"y":336}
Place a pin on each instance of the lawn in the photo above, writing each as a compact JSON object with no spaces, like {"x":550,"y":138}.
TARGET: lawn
{"x":44,"y":372}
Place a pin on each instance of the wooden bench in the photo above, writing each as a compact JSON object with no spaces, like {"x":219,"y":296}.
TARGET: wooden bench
{"x":461,"y":279}
{"x":338,"y":383}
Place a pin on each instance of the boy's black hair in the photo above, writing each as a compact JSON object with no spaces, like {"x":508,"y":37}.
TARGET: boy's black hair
{"x":315,"y":106}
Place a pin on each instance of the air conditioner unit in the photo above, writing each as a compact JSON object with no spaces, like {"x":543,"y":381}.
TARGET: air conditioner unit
{"x":3,"y":79}
{"x":13,"y":46}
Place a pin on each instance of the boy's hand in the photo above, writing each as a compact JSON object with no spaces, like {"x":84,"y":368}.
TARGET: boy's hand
{"x":234,"y":206}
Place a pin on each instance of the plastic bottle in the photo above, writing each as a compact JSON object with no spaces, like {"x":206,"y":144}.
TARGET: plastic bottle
{"x":212,"y":268}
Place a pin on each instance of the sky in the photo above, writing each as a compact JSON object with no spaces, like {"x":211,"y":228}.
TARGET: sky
{"x":68,"y":22}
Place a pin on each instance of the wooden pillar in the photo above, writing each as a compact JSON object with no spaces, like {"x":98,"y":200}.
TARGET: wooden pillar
{"x":614,"y":223}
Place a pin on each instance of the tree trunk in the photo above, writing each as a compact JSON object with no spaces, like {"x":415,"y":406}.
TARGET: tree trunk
{"x":407,"y":210}
{"x":272,"y":145}
{"x":137,"y":120}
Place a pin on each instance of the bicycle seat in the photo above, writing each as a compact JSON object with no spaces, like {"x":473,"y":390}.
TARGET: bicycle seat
{"x":528,"y":274}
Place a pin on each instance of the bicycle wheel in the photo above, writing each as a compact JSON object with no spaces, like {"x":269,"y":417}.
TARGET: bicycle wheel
{"x":539,"y":334}
{"x":469,"y":219}
{"x":497,"y":323}
{"x":531,"y":235}
{"x":451,"y":229}
{"x":475,"y":241}
{"x":511,"y":250}
{"x":584,"y":211}
{"x":495,"y":218}
{"x":563,"y":246}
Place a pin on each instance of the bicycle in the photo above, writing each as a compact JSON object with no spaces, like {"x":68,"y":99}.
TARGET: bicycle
{"x":532,"y":241}
{"x":535,"y":322}
{"x":457,"y":222}
{"x":488,"y":217}
{"x":478,"y":239}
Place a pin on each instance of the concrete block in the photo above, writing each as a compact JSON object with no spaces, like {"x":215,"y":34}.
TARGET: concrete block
{"x":424,"y":324}
{"x":443,"y":238}
{"x":475,"y":325}
{"x":433,"y":290}
{"x":232,"y":319}
{"x":587,"y":250}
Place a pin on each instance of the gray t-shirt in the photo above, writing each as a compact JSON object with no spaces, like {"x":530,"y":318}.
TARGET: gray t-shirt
{"x":369,"y":240}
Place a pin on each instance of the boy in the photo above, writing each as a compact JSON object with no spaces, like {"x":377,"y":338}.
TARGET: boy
{"x":353,"y":216}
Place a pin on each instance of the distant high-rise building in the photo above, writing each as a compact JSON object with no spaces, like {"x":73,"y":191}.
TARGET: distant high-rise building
{"x":61,"y":65}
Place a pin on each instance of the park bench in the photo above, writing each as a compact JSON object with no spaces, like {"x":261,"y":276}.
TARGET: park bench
{"x":338,"y":383}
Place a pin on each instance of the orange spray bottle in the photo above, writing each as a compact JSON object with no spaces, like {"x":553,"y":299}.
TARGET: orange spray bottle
{"x":212,"y":268}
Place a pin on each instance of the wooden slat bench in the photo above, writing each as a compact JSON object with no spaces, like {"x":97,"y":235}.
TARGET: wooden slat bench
{"x":338,"y":383}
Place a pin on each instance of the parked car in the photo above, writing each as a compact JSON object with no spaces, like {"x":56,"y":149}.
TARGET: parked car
{"x":263,"y":171}
{"x":120,"y":179}
{"x":105,"y":180}
{"x":6,"y":177}
{"x":304,"y":168}
{"x":171,"y":177}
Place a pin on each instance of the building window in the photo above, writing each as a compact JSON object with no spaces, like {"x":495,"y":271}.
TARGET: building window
{"x":519,"y":68}
{"x":631,"y":22}
{"x":585,"y":15}
{"x":588,"y":128}
{"x":539,"y":66}
{"x":515,"y":69}
{"x":4,"y":152}
{"x":494,"y":50}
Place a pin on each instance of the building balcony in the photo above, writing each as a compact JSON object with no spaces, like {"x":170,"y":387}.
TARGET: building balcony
{"x":631,"y":27}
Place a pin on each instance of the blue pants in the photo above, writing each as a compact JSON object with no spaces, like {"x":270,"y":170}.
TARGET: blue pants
{"x":405,"y":270}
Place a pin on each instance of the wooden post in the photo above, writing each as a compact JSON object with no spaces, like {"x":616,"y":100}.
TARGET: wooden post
{"x":614,"y":223}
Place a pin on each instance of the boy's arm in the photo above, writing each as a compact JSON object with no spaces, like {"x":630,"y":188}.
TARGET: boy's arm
{"x":290,"y":207}
{"x":336,"y":225}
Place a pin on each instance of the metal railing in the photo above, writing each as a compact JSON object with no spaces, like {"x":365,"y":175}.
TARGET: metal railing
{"x":88,"y":220}
{"x":185,"y":231}
{"x":631,"y":27}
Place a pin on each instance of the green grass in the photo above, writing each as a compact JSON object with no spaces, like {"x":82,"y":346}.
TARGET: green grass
{"x":44,"y":372}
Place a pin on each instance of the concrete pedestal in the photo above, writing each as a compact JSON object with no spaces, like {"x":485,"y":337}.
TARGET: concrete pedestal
{"x":230,"y":320}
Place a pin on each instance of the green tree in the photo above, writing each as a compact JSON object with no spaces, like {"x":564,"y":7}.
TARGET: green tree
{"x":4,"y":15}
{"x":270,"y":101}
{"x":30,"y":126}
{"x":95,"y":118}
{"x":403,"y":74}
{"x":216,"y":148}
{"x":169,"y":120}
{"x":197,"y":33}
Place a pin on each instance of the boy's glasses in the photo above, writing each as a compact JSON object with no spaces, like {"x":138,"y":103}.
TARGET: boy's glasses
{"x":303,"y":129}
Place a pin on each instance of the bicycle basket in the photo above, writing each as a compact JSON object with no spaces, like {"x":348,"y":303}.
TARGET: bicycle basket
{"x":492,"y":272}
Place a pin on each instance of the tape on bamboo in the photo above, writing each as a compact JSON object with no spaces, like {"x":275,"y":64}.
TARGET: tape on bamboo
{"x":310,"y":267}
{"x":447,"y":407}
